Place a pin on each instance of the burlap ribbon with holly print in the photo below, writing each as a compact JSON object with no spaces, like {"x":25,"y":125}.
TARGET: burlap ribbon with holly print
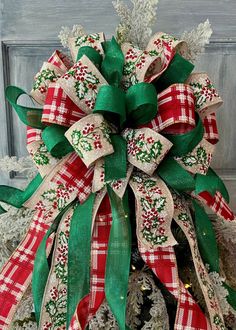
{"x":103,"y":127}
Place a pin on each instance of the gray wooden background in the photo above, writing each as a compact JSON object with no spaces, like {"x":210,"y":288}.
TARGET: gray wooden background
{"x":28,"y":35}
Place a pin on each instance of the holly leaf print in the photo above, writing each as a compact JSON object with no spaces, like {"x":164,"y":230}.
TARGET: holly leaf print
{"x":91,"y":78}
{"x":51,"y":308}
{"x":75,"y":136}
{"x":85,"y":145}
{"x":160,"y":203}
{"x":153,"y":53}
{"x":81,"y":89}
{"x":201,"y":155}
{"x":50,"y":195}
{"x":150,"y":183}
{"x":189,"y":160}
{"x":156,"y":149}
{"x":60,"y":319}
{"x":144,"y":156}
{"x":128,"y":68}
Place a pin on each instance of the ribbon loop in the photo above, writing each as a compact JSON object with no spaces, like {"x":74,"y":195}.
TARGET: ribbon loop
{"x":81,"y":83}
{"x":112,"y":65}
{"x":207,"y":97}
{"x":110,"y":102}
{"x":93,"y":40}
{"x":176,"y":110}
{"x":141,"y":102}
{"x":51,"y":70}
{"x":55,"y":141}
{"x":145,"y":148}
{"x":91,"y":53}
{"x":29,"y":116}
{"x":177,"y":72}
{"x":186,"y":142}
{"x":90,"y":137}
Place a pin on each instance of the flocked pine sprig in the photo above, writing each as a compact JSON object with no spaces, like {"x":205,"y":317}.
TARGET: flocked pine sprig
{"x":21,"y":165}
{"x":66,"y":32}
{"x":197,"y":39}
{"x":136,"y":23}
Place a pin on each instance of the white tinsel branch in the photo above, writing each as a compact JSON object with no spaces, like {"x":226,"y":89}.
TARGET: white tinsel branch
{"x":197,"y":39}
{"x":65,"y":33}
{"x":136,"y":24}
{"x":21,"y":165}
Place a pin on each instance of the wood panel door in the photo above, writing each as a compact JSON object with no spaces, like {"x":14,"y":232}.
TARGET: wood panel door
{"x":28,"y":36}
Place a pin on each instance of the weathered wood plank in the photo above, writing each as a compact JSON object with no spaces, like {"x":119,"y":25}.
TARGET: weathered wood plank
{"x":27,"y":19}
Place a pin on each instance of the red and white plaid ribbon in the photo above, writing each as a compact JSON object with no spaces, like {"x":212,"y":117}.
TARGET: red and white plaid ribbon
{"x":176,"y":110}
{"x":217,"y":204}
{"x":163,"y":263}
{"x":59,"y":108}
{"x":211,"y":131}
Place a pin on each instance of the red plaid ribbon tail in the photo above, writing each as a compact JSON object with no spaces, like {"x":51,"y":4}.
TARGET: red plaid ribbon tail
{"x":211,"y":131}
{"x":17,"y":271}
{"x":217,"y":204}
{"x":162,"y":261}
{"x":90,"y":304}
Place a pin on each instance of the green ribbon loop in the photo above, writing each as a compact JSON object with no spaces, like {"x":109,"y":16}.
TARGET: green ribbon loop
{"x":29,"y":116}
{"x":79,"y":255}
{"x":141,"y":103}
{"x":110,"y":102}
{"x":186,"y":142}
{"x":212,"y":183}
{"x":17,"y":197}
{"x":91,"y":53}
{"x":118,"y":257}
{"x":175,"y":176}
{"x":116,"y":163}
{"x":112,"y":65}
{"x":41,"y":266}
{"x":177,"y":72}
{"x":55,"y":141}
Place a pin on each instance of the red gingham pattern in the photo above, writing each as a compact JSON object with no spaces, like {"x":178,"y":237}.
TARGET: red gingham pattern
{"x":176,"y":110}
{"x":59,"y":108}
{"x":33,"y":134}
{"x":60,"y":60}
{"x":75,"y":173}
{"x":99,"y":248}
{"x":162,"y":261}
{"x":16,"y":273}
{"x":211,"y":131}
{"x":217,"y":204}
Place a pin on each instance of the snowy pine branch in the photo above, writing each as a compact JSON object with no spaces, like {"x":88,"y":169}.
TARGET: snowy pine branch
{"x":197,"y":39}
{"x":136,"y":24}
